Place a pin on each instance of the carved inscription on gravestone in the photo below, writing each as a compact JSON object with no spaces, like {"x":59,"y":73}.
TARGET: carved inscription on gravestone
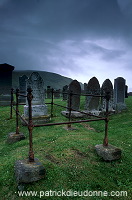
{"x":36,"y":83}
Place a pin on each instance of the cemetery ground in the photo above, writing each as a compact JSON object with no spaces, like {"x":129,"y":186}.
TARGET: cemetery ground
{"x":69,"y":157}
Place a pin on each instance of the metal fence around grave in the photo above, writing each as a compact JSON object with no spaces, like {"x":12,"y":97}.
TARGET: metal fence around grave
{"x":30,"y":125}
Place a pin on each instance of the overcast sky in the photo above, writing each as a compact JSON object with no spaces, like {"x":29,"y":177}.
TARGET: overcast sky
{"x":75,"y":38}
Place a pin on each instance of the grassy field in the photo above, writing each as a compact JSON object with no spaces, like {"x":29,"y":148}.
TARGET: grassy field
{"x":69,"y":157}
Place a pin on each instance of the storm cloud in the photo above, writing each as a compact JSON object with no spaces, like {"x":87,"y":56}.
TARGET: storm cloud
{"x":75,"y":38}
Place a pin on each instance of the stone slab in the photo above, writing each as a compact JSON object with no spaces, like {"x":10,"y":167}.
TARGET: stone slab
{"x":70,"y":128}
{"x":27,"y":172}
{"x":37,"y":110}
{"x":5,"y":103}
{"x":37,"y":120}
{"x":74,"y":114}
{"x":5,"y":100}
{"x":13,"y":137}
{"x":109,"y":152}
{"x":120,"y":107}
{"x":92,"y":112}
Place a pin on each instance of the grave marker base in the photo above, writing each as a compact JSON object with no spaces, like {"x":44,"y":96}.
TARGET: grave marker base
{"x":74,"y":114}
{"x":120,"y":107}
{"x":37,"y":120}
{"x":27,"y":172}
{"x":70,"y":128}
{"x":108,"y":153}
{"x":13,"y":137}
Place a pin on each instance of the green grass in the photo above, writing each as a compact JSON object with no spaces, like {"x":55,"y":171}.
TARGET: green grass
{"x":69,"y":157}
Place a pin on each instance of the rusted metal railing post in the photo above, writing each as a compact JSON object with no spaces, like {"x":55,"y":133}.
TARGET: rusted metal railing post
{"x":52,"y":101}
{"x":30,"y":124}
{"x":70,"y":109}
{"x":17,"y":110}
{"x":105,"y":141}
{"x":12,"y":90}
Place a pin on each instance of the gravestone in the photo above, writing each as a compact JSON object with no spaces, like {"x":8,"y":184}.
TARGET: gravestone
{"x":5,"y":83}
{"x":126,"y":91}
{"x":130,"y":94}
{"x":107,"y":87}
{"x":39,"y":108}
{"x":85,"y":87}
{"x":73,"y":101}
{"x":119,"y":94}
{"x":49,"y":92}
{"x":65,"y":90}
{"x":92,"y":103}
{"x":57,"y":94}
{"x":75,"y":89}
{"x":22,"y":88}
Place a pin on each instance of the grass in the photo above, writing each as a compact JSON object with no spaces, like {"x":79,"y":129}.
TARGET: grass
{"x":69,"y":157}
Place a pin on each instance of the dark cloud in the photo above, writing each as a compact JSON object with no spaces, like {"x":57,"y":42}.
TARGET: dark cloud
{"x":76,"y":38}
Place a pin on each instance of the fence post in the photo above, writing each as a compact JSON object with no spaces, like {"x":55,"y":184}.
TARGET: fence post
{"x":30,"y":124}
{"x":107,"y":97}
{"x":52,"y":102}
{"x":11,"y":102}
{"x":17,"y":110}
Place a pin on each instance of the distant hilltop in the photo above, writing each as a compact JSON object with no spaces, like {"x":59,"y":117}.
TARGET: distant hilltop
{"x":54,"y":80}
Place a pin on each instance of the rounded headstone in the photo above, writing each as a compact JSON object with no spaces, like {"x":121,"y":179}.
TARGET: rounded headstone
{"x":75,"y":89}
{"x":107,"y":87}
{"x":93,"y":87}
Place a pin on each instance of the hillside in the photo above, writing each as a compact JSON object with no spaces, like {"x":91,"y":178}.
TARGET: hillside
{"x":54,"y":80}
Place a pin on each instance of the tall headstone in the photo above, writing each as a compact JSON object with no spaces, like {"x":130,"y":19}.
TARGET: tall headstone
{"x":22,"y":88}
{"x":126,"y":91}
{"x":85,"y":87}
{"x":107,"y":87}
{"x":73,"y":101}
{"x":5,"y":83}
{"x":92,"y":103}
{"x":75,"y":89}
{"x":57,"y":94}
{"x":65,"y":90}
{"x":119,"y":93}
{"x":49,"y":92}
{"x":39,"y":108}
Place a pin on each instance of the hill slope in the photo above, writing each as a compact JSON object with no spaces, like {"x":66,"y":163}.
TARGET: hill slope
{"x":54,"y":80}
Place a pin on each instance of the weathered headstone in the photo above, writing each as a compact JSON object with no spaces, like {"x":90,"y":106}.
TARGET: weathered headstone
{"x":39,"y":108}
{"x":5,"y":83}
{"x":73,"y":102}
{"x":57,"y":94}
{"x":49,"y":92}
{"x":126,"y":91}
{"x":107,"y":87}
{"x":119,"y":93}
{"x":85,"y":87}
{"x":22,"y":88}
{"x":65,"y":91}
{"x":92,"y":103}
{"x":130,"y":94}
{"x":75,"y":90}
